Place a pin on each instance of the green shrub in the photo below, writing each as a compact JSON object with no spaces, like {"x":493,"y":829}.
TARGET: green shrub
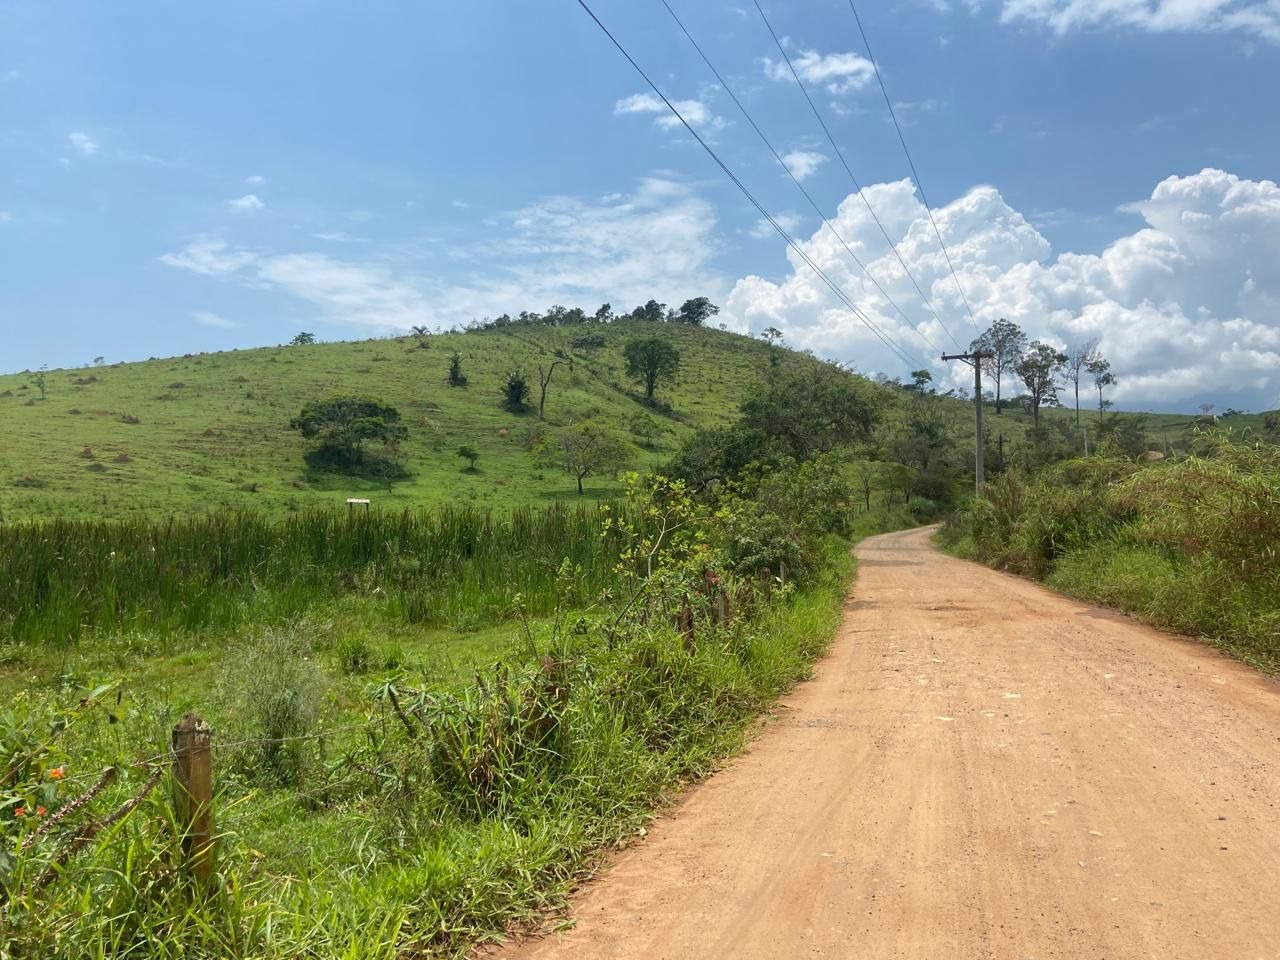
{"x":277,"y":689}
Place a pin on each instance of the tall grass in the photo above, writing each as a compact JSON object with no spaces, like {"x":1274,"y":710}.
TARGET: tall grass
{"x":481,"y":808}
{"x":67,"y":578}
{"x":1192,"y":546}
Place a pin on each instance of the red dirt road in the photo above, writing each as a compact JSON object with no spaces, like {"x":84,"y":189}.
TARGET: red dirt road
{"x":980,"y":768}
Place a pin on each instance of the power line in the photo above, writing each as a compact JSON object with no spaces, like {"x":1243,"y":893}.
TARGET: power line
{"x":888,"y":341}
{"x":849,"y":170}
{"x":911,"y":163}
{"x":794,"y":179}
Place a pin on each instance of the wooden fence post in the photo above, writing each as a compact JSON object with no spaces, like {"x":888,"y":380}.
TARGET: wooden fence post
{"x":193,"y":796}
{"x":684,"y":622}
{"x":766,"y":582}
{"x":784,"y":574}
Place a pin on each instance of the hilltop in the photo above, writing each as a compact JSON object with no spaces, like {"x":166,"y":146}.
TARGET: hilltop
{"x":211,"y":431}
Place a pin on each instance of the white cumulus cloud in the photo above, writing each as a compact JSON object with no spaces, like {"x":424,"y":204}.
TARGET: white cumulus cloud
{"x":803,"y":163}
{"x":698,"y":113}
{"x":83,"y":144}
{"x":249,"y":203}
{"x":839,"y":72}
{"x":1187,"y":307}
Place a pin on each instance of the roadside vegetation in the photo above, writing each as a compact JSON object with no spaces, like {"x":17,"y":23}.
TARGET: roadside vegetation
{"x":1187,"y":545}
{"x":428,"y":723}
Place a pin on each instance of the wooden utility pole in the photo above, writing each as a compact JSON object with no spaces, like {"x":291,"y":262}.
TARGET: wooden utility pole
{"x":979,"y":446}
{"x":1086,"y":441}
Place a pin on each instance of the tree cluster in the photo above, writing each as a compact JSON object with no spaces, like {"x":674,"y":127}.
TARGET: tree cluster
{"x":694,"y":312}
{"x":1041,"y":368}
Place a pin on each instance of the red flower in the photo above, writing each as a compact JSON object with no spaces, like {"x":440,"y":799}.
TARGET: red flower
{"x":41,"y":811}
{"x":57,"y":773}
{"x":20,"y":812}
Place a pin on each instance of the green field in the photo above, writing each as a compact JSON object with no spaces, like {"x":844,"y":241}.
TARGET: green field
{"x":212,"y":430}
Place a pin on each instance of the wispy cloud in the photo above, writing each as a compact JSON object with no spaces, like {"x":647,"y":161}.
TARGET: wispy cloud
{"x":255,"y":180}
{"x":83,"y":144}
{"x":207,"y":319}
{"x":337,"y":236}
{"x":6,"y":216}
{"x":762,"y":229}
{"x":839,"y":72}
{"x":803,"y":163}
{"x":249,"y":203}
{"x":1257,"y":18}
{"x":210,"y":257}
{"x":460,"y":204}
{"x":655,"y":241}
{"x":699,"y":115}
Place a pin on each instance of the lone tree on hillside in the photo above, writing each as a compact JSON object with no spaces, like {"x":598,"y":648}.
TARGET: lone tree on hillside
{"x":584,"y":449}
{"x":515,"y":392}
{"x":649,"y":361}
{"x":1079,"y":356}
{"x":303,"y":339}
{"x":697,"y":311}
{"x":455,"y":377}
{"x":470,"y":455}
{"x":1038,"y":370}
{"x":1100,"y":369}
{"x":544,"y":378}
{"x":1005,"y":341}
{"x":344,"y":424}
{"x":771,"y":335}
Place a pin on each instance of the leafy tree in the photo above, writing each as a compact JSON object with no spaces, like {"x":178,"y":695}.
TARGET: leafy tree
{"x":650,"y":361}
{"x":41,"y":382}
{"x":645,"y":427}
{"x":653,"y":312}
{"x":919,"y":385}
{"x":584,"y":449}
{"x":456,"y":378}
{"x":697,"y":311}
{"x":771,"y":335}
{"x":1038,"y":370}
{"x":343,"y":424}
{"x":1271,"y":426}
{"x":555,"y":315}
{"x":469,"y":454}
{"x":604,"y":314}
{"x":515,"y":392}
{"x":1100,"y":369}
{"x":1005,"y":341}
{"x":303,"y":339}
{"x":1124,"y":435}
{"x":420,"y":331}
{"x":544,"y":378}
{"x":1078,"y":357}
{"x":812,"y":411}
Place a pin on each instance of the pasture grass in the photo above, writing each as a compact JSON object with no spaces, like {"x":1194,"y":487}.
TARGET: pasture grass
{"x":212,"y":430}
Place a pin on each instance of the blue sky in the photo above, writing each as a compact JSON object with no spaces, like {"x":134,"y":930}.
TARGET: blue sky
{"x":179,"y":177}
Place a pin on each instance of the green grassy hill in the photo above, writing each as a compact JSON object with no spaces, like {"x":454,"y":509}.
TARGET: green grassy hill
{"x":212,"y":430}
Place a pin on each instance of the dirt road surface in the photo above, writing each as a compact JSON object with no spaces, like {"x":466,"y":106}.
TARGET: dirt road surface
{"x":980,"y":768}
